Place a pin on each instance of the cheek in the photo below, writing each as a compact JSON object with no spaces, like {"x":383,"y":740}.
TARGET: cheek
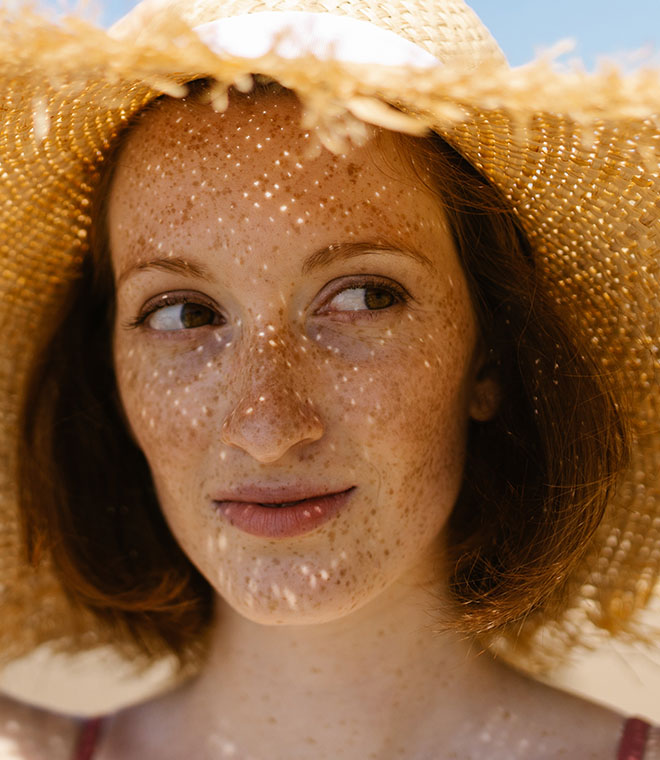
{"x":169,"y":399}
{"x":411,"y":414}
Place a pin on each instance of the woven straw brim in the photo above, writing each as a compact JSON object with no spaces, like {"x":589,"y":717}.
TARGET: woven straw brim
{"x":575,"y":154}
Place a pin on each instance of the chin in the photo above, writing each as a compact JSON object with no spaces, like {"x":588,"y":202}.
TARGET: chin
{"x":283,"y":607}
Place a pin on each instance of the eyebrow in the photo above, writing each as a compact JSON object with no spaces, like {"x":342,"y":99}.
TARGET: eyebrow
{"x":321,"y":258}
{"x":331,"y":253}
{"x":170,"y":264}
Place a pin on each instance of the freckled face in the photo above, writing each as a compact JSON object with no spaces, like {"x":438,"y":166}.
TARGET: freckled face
{"x":245,"y":357}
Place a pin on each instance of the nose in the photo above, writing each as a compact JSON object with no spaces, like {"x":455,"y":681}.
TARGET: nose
{"x":271,"y":416}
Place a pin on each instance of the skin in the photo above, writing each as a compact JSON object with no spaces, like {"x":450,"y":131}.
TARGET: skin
{"x":324,"y":644}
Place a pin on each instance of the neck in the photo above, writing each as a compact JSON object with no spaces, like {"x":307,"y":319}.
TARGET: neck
{"x":372,"y":681}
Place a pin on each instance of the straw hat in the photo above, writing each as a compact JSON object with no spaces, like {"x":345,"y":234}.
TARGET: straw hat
{"x":577,"y":155}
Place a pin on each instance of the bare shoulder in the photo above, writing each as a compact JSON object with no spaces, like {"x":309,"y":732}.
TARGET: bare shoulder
{"x":151,"y":728}
{"x":529,"y":719}
{"x":28,"y":732}
{"x":560,"y":724}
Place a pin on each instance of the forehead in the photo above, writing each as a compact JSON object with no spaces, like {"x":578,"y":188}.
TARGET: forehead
{"x":256,"y":134}
{"x":185,"y":166}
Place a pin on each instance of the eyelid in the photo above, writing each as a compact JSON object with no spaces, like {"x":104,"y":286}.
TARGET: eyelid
{"x":365,"y":281}
{"x":171,"y":298}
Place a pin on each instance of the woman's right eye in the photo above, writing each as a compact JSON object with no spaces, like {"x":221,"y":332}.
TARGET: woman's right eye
{"x":181,"y":316}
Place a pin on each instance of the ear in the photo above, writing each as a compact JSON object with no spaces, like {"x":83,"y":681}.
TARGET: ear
{"x":486,"y":389}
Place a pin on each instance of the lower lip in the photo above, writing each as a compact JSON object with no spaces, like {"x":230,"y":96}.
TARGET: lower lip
{"x":283,"y":522}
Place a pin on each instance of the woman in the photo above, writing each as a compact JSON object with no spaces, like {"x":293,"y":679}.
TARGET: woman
{"x":307,"y":412}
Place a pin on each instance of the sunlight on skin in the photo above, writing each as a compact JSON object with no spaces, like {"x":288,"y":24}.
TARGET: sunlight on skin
{"x":289,"y":377}
{"x":33,"y":733}
{"x":9,"y":750}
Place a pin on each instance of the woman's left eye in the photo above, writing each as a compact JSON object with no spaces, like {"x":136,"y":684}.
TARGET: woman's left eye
{"x":367,"y":296}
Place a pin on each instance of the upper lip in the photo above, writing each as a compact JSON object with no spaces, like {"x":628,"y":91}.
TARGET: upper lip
{"x":276,"y":494}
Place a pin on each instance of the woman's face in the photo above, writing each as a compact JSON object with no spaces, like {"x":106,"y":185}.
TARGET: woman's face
{"x":291,"y":321}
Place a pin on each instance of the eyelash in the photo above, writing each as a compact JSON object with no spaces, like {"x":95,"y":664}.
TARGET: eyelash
{"x":170,"y":299}
{"x":371,"y":283}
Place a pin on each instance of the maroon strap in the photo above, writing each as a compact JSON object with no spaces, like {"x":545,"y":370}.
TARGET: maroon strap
{"x":88,"y":738}
{"x":633,"y":741}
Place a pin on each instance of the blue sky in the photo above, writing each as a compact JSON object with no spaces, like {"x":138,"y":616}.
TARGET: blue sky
{"x":599,"y":27}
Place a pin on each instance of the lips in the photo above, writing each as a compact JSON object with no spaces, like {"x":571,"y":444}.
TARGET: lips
{"x":279,"y":515}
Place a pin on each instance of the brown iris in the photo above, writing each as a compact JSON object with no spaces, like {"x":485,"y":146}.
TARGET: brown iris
{"x":195,"y":315}
{"x":377,"y":298}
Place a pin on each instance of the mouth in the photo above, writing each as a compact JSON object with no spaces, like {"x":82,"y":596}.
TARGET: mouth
{"x":281,"y":517}
{"x":276,"y":496}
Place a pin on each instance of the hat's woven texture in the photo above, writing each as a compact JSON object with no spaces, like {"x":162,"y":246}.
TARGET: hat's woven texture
{"x":575,"y":154}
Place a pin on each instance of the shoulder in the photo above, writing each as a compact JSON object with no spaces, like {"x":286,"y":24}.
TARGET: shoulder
{"x":567,"y":725}
{"x":28,"y":732}
{"x":534,"y":719}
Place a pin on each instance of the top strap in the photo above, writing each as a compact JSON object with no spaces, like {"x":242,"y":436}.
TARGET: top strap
{"x":88,"y":739}
{"x":633,"y":741}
